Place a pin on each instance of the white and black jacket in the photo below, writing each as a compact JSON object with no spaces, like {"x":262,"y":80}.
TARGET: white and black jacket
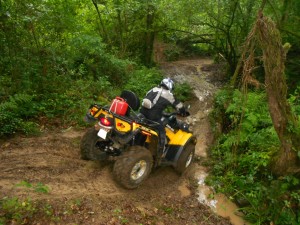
{"x":159,"y":99}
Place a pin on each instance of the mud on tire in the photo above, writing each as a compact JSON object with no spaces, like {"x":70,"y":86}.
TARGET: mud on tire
{"x":88,"y":148}
{"x":133,"y":167}
{"x":186,"y":158}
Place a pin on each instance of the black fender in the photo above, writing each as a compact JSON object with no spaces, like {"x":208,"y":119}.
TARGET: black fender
{"x":174,"y":151}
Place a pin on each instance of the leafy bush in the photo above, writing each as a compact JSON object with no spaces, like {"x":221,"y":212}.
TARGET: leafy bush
{"x":22,"y":112}
{"x":14,"y":115}
{"x":183,"y":91}
{"x":294,"y":100}
{"x":241,"y":160}
{"x":142,"y":80}
{"x":91,"y":60}
{"x":172,"y":54}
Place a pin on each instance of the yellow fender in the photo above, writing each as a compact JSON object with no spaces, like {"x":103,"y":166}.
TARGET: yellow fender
{"x":179,"y":138}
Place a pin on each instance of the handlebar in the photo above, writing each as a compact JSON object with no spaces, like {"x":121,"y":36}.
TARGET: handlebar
{"x":186,"y":113}
{"x":165,"y":114}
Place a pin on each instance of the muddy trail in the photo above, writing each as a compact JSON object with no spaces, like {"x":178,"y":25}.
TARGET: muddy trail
{"x":47,"y":171}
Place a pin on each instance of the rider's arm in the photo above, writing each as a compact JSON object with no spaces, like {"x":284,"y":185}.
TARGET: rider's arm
{"x":178,"y":105}
{"x":174,"y":102}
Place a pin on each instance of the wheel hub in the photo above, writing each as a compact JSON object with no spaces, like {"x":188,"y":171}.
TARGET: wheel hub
{"x":138,"y":170}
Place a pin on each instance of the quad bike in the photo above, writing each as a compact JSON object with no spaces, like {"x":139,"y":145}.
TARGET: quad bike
{"x":132,"y":141}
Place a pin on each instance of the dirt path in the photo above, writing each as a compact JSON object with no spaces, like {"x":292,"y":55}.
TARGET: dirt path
{"x":82,"y":192}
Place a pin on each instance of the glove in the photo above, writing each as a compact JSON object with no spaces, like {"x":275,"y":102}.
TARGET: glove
{"x":183,"y":112}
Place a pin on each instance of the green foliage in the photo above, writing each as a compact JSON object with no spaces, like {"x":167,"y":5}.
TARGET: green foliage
{"x":72,"y":104}
{"x":294,"y":100}
{"x":39,"y":187}
{"x":22,"y":112}
{"x":14,"y":209}
{"x":92,"y":60}
{"x":14,"y":115}
{"x":183,"y":91}
{"x":172,"y":54}
{"x":142,"y":80}
{"x":53,"y":64}
{"x":241,"y":160}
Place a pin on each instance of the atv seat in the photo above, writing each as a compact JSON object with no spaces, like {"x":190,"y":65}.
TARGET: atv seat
{"x":149,"y":123}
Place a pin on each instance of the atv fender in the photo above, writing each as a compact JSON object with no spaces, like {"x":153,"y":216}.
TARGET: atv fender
{"x":180,"y":148}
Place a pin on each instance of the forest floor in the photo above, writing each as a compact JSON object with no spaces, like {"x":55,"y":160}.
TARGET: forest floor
{"x":47,"y":171}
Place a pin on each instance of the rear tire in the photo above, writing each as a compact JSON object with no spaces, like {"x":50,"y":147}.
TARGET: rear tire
{"x":133,"y":167}
{"x":186,"y":158}
{"x":88,"y":147}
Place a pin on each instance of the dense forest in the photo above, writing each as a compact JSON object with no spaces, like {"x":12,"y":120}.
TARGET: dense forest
{"x":59,"y":56}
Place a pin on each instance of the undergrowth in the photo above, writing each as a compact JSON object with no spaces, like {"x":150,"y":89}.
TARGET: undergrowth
{"x":25,"y":210}
{"x":242,"y":156}
{"x":65,"y":105}
{"x":60,"y":81}
{"x":25,"y":112}
{"x":17,"y":210}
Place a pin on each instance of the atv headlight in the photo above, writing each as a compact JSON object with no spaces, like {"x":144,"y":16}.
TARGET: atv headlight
{"x":184,"y":126}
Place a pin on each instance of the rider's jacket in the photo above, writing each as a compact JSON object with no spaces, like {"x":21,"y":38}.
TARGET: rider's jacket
{"x":160,"y":98}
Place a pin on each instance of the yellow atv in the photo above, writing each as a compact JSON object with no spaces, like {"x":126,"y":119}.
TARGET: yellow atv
{"x":132,"y":141}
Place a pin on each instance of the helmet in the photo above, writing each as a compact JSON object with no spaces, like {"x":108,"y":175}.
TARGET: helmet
{"x":167,"y":83}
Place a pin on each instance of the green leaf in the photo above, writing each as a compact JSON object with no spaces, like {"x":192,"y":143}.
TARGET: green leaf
{"x":24,"y":184}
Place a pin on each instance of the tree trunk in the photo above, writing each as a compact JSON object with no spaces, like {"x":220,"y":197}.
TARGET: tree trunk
{"x":104,"y":33}
{"x":284,"y":121}
{"x":149,"y":35}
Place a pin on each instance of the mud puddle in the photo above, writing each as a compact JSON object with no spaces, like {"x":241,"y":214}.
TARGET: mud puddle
{"x":219,"y":203}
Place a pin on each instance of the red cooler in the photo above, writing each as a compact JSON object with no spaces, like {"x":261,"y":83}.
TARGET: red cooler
{"x":119,"y":106}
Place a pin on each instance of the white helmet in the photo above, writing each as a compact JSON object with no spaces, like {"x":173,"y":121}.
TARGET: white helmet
{"x":167,"y":83}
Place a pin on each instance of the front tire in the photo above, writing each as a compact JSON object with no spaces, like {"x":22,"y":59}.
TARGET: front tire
{"x":88,"y":146}
{"x":133,"y":167}
{"x":186,"y":158}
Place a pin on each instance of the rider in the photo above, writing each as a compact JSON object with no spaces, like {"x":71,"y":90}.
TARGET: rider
{"x":156,"y":101}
